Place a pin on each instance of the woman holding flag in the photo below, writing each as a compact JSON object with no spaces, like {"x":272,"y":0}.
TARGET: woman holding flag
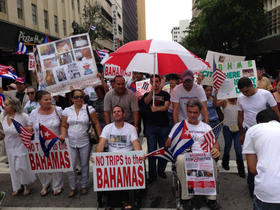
{"x":49,"y":116}
{"x":20,"y":171}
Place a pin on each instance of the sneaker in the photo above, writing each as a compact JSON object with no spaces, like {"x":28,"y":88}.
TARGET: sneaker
{"x":213,"y":205}
{"x":187,"y":204}
{"x":2,"y":196}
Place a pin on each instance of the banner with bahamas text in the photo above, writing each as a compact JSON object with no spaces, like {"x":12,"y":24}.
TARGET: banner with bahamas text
{"x":118,"y":171}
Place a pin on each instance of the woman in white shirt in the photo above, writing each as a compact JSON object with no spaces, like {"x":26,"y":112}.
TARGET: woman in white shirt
{"x":49,"y":116}
{"x":75,"y":123}
{"x":20,"y":171}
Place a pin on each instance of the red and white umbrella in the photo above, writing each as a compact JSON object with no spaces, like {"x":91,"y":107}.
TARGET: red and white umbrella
{"x":154,"y":56}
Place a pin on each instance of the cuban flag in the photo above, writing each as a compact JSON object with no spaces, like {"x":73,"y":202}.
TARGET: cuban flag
{"x":92,"y":27}
{"x":102,"y":54}
{"x":7,"y":72}
{"x":218,"y":76}
{"x":180,"y":140}
{"x":47,"y":139}
{"x":47,"y":39}
{"x":2,"y":100}
{"x":162,"y":153}
{"x":24,"y":135}
{"x":209,"y":141}
{"x":21,"y":49}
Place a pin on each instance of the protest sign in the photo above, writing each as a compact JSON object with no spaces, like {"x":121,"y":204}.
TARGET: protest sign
{"x":220,"y":59}
{"x":31,"y":62}
{"x":59,"y":159}
{"x":118,"y":171}
{"x":110,"y":71}
{"x":66,"y":62}
{"x":143,"y":87}
{"x":200,"y":174}
{"x":234,"y":71}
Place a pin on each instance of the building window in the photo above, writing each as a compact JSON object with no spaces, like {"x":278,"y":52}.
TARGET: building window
{"x":55,"y":24}
{"x":120,"y":28}
{"x":64,"y":27}
{"x":34,"y":14}
{"x":106,"y":15}
{"x":108,"y":1}
{"x":46,"y":19}
{"x":79,"y":7}
{"x":73,"y":4}
{"x":119,"y":15}
{"x":3,"y":6}
{"x":19,"y":9}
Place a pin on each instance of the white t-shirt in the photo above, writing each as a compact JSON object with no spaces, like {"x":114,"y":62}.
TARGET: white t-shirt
{"x":91,"y":93}
{"x":181,"y":96}
{"x":252,"y":105}
{"x":119,"y":140}
{"x":30,"y":106}
{"x":196,"y":131}
{"x":78,"y":125}
{"x":264,"y":141}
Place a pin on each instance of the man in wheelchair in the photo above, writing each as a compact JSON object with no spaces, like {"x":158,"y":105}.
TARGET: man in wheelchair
{"x":197,"y":129}
{"x":120,"y":136}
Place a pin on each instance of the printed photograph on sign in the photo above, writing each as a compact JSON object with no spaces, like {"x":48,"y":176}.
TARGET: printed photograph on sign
{"x":63,"y":46}
{"x":248,"y":72}
{"x":47,"y":49}
{"x":73,"y":71}
{"x":60,"y":74}
{"x":50,"y":63}
{"x":83,"y":54}
{"x":65,"y":58}
{"x":79,"y":41}
{"x":49,"y":78}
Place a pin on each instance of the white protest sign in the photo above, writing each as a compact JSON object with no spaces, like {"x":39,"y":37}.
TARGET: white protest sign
{"x":220,"y":59}
{"x":118,"y":171}
{"x":110,"y":71}
{"x":31,"y":62}
{"x":143,"y":87}
{"x":59,"y":159}
{"x":67,"y":62}
{"x":200,"y":174}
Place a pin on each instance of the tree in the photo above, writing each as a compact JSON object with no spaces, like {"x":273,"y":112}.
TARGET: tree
{"x":225,"y":26}
{"x":92,"y":15}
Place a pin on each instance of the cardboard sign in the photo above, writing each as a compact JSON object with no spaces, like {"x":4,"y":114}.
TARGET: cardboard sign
{"x":143,"y":87}
{"x":118,"y":171}
{"x":66,"y":62}
{"x":59,"y":159}
{"x":31,"y":62}
{"x":110,"y":71}
{"x":200,"y":174}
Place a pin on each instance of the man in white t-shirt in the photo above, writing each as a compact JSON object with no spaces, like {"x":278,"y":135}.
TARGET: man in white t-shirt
{"x":120,"y":136}
{"x":183,"y":93}
{"x":262,"y":148}
{"x":249,"y":103}
{"x":197,"y":129}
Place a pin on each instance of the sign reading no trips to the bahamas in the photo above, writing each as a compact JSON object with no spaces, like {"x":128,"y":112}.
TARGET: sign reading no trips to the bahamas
{"x":59,"y":159}
{"x":118,"y":171}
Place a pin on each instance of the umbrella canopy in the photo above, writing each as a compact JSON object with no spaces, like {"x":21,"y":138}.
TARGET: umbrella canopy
{"x":154,"y":56}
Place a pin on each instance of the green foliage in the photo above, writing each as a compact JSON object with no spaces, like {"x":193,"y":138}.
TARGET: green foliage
{"x":92,"y":16}
{"x":225,"y":26}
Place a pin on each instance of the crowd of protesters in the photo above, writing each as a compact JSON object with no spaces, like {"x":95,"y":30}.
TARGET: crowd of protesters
{"x":172,"y":99}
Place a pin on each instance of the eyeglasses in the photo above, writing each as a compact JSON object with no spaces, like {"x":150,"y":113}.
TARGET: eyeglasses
{"x":30,"y":93}
{"x":78,"y":97}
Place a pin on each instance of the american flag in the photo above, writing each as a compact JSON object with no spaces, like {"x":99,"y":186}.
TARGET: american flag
{"x":218,"y":76}
{"x":25,"y":135}
{"x":162,"y":153}
{"x":209,"y":141}
{"x":21,"y":49}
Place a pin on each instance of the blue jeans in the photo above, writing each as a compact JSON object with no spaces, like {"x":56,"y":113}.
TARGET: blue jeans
{"x":228,"y":137}
{"x":217,"y":130}
{"x":259,"y":205}
{"x":156,"y":137}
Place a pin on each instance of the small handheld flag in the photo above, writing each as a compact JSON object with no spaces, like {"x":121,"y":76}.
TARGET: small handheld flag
{"x":21,"y":49}
{"x":218,"y":76}
{"x":24,"y":135}
{"x":92,"y":27}
{"x":161,"y":153}
{"x":7,"y":72}
{"x":209,"y":141}
{"x":102,"y":54}
{"x":47,"y":139}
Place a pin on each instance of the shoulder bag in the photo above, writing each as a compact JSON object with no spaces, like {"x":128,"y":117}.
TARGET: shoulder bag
{"x":93,"y":137}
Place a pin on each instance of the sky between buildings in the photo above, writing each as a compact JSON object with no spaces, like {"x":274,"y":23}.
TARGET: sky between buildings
{"x":162,"y":15}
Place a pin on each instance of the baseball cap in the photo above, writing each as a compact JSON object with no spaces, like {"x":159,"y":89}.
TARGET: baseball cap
{"x":12,"y":85}
{"x":187,"y":75}
{"x":20,"y":80}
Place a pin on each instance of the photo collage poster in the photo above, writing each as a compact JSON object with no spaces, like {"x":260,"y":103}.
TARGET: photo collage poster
{"x":66,"y":62}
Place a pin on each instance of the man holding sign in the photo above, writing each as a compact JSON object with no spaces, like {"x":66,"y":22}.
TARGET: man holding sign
{"x":120,"y":136}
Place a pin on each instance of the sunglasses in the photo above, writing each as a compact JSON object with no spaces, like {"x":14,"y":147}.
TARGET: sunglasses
{"x":30,"y":93}
{"x":78,"y":97}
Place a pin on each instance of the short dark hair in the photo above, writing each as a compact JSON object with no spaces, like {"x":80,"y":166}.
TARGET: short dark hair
{"x":40,"y":93}
{"x":79,"y":90}
{"x":193,"y":103}
{"x":266,"y":116}
{"x":244,"y":82}
{"x":118,"y":76}
{"x":118,"y":106}
{"x":156,"y":76}
{"x":206,"y":86}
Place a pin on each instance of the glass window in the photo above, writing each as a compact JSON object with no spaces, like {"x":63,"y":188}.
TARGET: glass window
{"x":34,"y":14}
{"x":46,"y":19}
{"x":55,"y":24}
{"x":19,"y":9}
{"x":64,"y":27}
{"x":3,"y":6}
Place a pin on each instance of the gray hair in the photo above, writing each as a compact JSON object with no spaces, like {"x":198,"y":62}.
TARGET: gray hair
{"x":193,"y":103}
{"x":15,"y":103}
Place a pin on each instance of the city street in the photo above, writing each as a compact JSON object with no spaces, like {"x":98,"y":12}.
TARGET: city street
{"x":233,"y":193}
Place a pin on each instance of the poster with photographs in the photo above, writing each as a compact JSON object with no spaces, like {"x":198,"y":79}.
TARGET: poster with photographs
{"x":66,"y":62}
